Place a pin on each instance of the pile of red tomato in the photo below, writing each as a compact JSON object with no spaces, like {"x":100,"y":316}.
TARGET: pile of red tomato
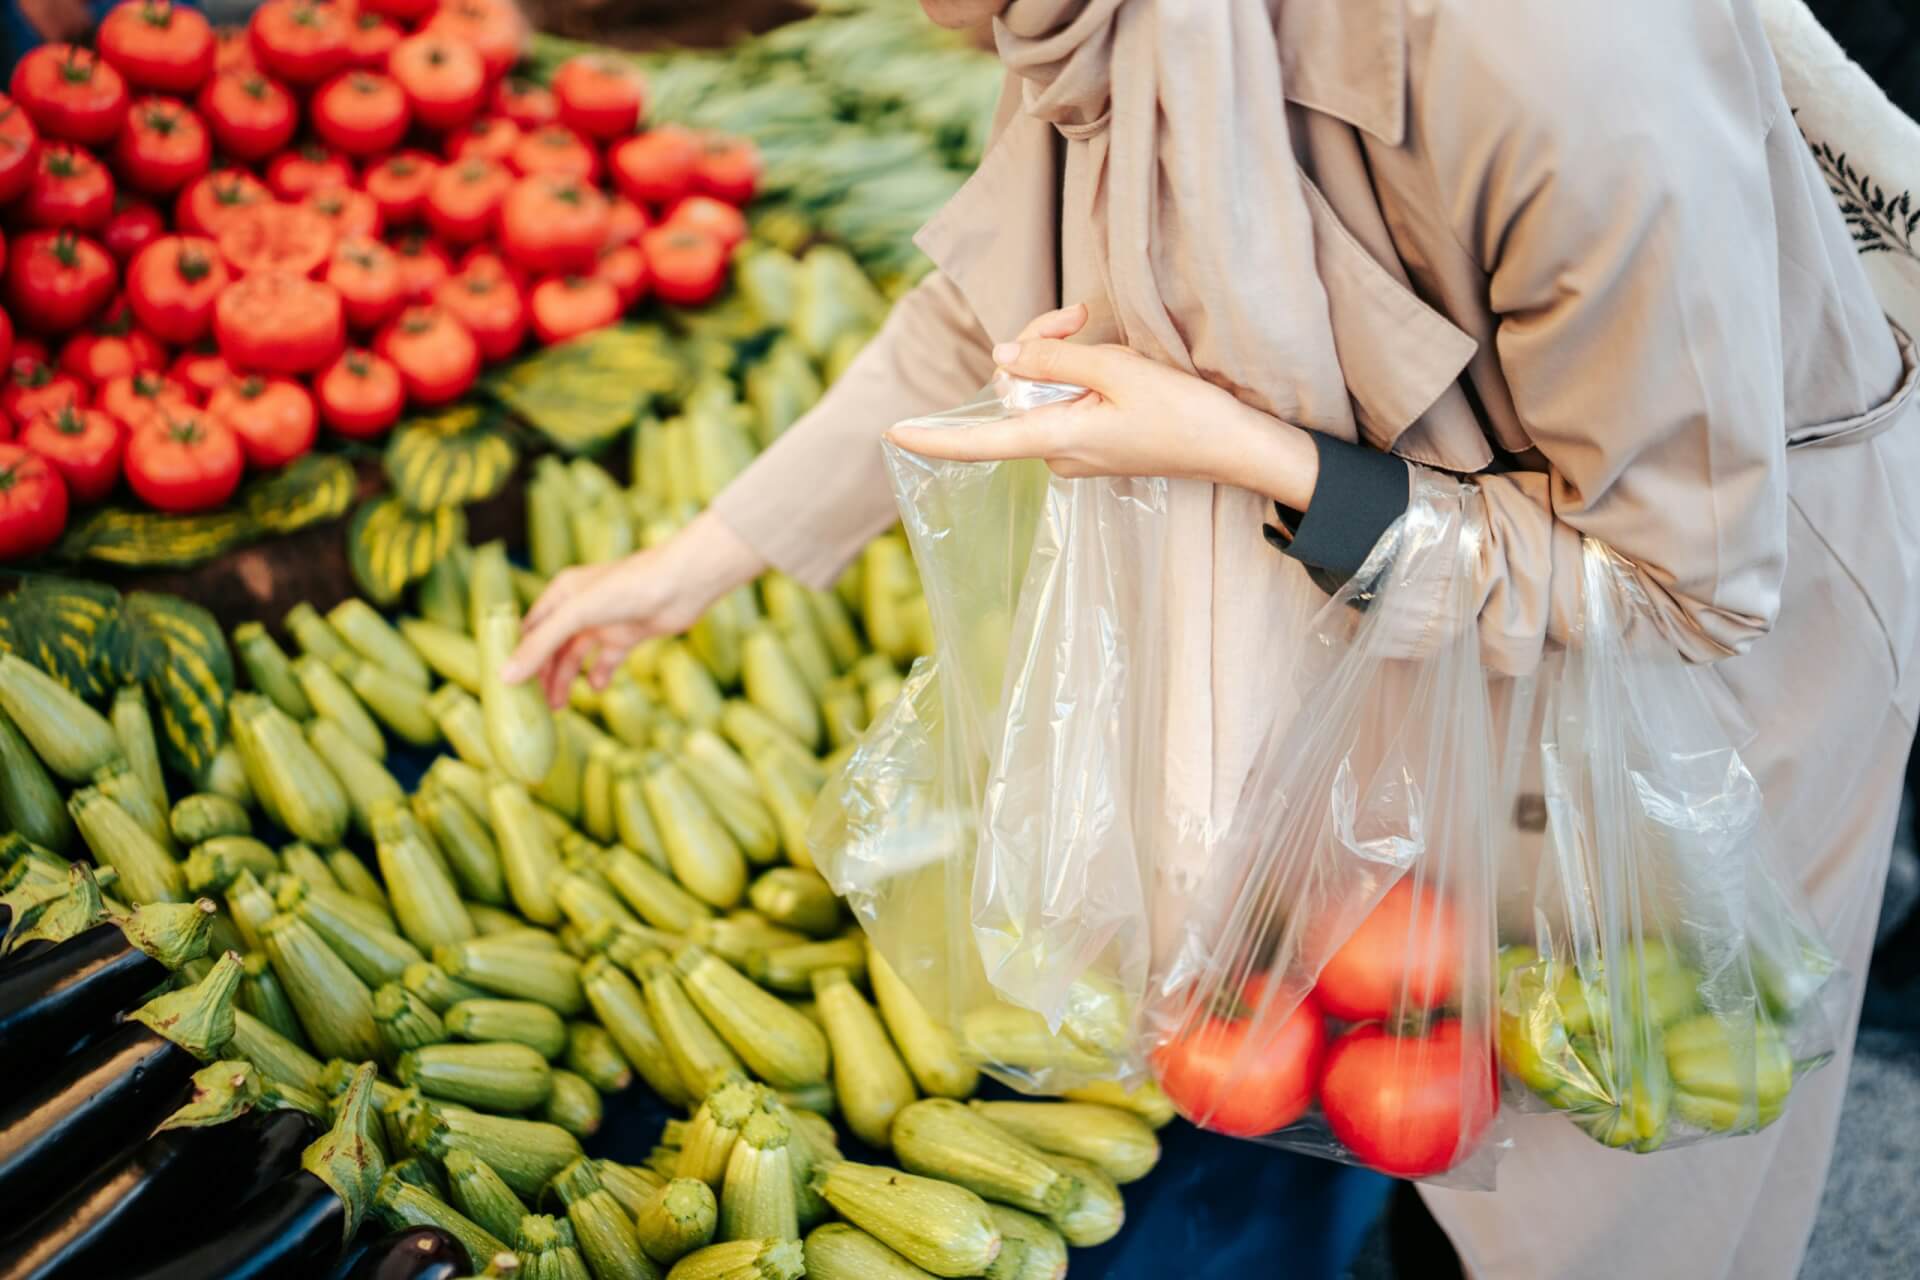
{"x":1403,"y":1085}
{"x":216,"y":242}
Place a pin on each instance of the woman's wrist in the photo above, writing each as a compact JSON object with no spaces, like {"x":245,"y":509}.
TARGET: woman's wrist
{"x":1271,"y":457}
{"x":710,"y":558}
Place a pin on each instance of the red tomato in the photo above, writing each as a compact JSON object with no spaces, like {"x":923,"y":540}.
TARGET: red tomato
{"x":360,"y":394}
{"x":84,"y":446}
{"x":686,"y":267}
{"x":554,"y":148}
{"x":463,"y":205}
{"x":34,"y":388}
{"x":361,"y":113}
{"x":407,"y":11}
{"x":70,"y":93}
{"x":656,"y":167}
{"x":490,"y":305}
{"x":368,"y":278}
{"x":163,"y":147}
{"x":625,"y":268}
{"x":1404,"y":958}
{"x":436,"y":356}
{"x":233,"y":50}
{"x":1409,"y":1105}
{"x":444,"y":78}
{"x":135,"y":224}
{"x":274,"y":418}
{"x":485,"y":259}
{"x":143,"y":397}
{"x":250,"y":116}
{"x":208,"y":204}
{"x":33,"y":503}
{"x":183,"y":462}
{"x":728,"y":168}
{"x":71,"y":189}
{"x":301,"y":42}
{"x":1242,"y":1076}
{"x":276,"y":237}
{"x":567,"y":306}
{"x":399,"y":185}
{"x":157,"y":45}
{"x":27,"y":352}
{"x":488,"y":138}
{"x":599,"y":96}
{"x":551,"y":224}
{"x":201,"y":371}
{"x":57,"y":280}
{"x":711,"y":217}
{"x":111,"y":348}
{"x":525,"y":103}
{"x":493,"y":28}
{"x":625,"y":221}
{"x":278,"y":322}
{"x":423,"y":265}
{"x":6,"y":341}
{"x":296,"y":174}
{"x":348,"y":212}
{"x":18,"y":148}
{"x":369,"y":40}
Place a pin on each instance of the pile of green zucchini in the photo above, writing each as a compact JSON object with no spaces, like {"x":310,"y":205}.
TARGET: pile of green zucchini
{"x":239,"y":1014}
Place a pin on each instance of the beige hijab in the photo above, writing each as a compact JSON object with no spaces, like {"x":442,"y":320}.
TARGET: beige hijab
{"x":1182,"y":207}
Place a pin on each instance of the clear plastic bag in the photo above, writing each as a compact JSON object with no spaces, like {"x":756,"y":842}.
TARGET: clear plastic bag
{"x":995,"y":831}
{"x":1660,"y":983}
{"x":1334,"y":990}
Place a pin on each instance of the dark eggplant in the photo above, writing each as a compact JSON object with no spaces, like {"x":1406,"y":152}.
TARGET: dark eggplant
{"x":299,"y":1227}
{"x":147,"y":1198}
{"x":23,"y":952}
{"x":418,"y":1253}
{"x":49,"y":1002}
{"x":56,"y":1131}
{"x":294,"y":1231}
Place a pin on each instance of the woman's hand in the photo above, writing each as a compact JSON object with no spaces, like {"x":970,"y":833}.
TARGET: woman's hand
{"x":1139,"y":418}
{"x":602,"y":611}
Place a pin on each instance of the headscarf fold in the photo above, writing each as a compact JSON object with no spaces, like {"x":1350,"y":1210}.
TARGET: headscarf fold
{"x":1183,"y":207}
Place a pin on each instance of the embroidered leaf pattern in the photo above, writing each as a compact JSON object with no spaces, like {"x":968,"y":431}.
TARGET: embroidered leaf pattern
{"x":1878,"y":223}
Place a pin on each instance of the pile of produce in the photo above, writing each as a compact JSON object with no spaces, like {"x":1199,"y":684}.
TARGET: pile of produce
{"x":566,"y":905}
{"x":867,"y":116}
{"x":230,"y":243}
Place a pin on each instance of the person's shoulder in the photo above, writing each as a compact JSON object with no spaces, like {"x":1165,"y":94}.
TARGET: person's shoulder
{"x":1588,"y":64}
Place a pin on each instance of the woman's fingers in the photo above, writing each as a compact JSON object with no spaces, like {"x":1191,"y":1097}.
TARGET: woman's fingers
{"x":556,"y":677}
{"x":1063,"y":323}
{"x":1031,"y":435}
{"x":606,"y":662}
{"x":566,"y":584}
{"x":1051,"y":360}
{"x":542,"y":642}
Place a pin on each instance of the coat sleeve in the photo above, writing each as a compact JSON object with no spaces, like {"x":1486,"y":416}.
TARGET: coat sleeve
{"x":819,"y":494}
{"x":1609,"y":172}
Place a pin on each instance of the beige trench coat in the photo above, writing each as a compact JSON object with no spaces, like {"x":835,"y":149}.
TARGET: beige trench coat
{"x":1580,"y":252}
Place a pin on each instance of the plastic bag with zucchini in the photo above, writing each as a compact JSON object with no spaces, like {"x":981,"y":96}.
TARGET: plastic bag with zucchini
{"x":1333,"y":989}
{"x":1661,"y":983}
{"x":995,"y":831}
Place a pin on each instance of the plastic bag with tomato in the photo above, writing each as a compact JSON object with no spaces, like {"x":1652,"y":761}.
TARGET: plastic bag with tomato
{"x":1661,"y":983}
{"x":997,"y":830}
{"x":1333,"y":990}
